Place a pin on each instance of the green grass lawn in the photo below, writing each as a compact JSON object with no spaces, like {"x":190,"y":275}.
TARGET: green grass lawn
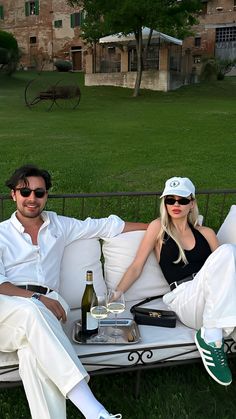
{"x":113,"y":142}
{"x":185,"y":392}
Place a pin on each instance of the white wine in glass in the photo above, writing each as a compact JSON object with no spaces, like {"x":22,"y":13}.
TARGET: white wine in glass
{"x":115,"y":305}
{"x":99,"y":311}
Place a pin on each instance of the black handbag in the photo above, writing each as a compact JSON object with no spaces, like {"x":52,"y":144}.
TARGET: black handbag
{"x":153,"y":317}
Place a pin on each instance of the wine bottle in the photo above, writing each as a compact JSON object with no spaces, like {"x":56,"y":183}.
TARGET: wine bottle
{"x":89,"y":323}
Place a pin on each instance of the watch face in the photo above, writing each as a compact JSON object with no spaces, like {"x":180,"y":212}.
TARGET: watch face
{"x":36,"y":296}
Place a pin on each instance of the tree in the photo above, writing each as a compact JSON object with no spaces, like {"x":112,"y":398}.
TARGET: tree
{"x":224,"y":67}
{"x":216,"y":68}
{"x":9,"y":52}
{"x":106,"y":17}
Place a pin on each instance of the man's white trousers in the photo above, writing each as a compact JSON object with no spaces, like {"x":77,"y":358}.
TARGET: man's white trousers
{"x":48,"y":364}
{"x":209,"y":300}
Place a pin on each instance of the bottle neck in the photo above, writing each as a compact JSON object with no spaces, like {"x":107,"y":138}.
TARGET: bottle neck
{"x":89,"y":282}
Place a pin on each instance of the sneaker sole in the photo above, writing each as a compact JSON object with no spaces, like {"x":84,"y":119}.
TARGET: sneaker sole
{"x":206,"y":366}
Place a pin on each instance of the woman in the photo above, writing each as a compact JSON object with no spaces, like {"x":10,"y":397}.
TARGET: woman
{"x":201,"y":274}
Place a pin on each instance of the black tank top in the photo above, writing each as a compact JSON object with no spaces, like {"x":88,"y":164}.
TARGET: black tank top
{"x":195,"y":257}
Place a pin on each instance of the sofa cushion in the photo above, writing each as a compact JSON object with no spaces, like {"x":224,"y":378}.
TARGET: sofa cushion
{"x":118,"y":253}
{"x":80,"y":256}
{"x":227,"y":232}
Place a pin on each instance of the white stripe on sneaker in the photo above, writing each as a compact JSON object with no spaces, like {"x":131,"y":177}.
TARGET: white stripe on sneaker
{"x":214,"y":360}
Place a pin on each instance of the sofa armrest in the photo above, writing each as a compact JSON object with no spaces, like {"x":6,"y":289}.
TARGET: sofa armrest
{"x":227,"y":231}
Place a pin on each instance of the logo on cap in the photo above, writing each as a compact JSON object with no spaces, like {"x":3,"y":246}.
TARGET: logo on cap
{"x":174,"y":183}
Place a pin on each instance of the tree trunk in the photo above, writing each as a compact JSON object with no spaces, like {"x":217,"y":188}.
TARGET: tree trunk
{"x":139,"y":45}
{"x":145,"y":52}
{"x":94,"y":57}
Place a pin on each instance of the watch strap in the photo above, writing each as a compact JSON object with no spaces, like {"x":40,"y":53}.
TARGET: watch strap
{"x":36,"y":295}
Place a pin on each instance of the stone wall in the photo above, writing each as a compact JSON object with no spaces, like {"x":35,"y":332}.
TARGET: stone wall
{"x":152,"y":80}
{"x":218,"y":14}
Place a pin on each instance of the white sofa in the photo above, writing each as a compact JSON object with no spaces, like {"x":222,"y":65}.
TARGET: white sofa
{"x":158,"y":345}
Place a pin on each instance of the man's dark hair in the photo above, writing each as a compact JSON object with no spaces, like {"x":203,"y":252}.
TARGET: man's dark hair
{"x":26,"y":171}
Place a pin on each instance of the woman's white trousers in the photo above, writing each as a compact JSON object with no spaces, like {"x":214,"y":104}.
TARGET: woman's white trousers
{"x":209,"y":300}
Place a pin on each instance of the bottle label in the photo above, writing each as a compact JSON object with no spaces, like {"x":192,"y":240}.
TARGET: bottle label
{"x":92,"y":323}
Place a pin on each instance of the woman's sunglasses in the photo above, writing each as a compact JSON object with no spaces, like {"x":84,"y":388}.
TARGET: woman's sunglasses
{"x":181,"y":201}
{"x":26,"y":192}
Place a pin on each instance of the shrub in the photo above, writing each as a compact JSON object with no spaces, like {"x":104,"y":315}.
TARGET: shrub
{"x":63,"y":65}
{"x":4,"y":56}
{"x":214,"y":68}
{"x":8,"y":41}
{"x":209,"y":70}
{"x":9,"y":52}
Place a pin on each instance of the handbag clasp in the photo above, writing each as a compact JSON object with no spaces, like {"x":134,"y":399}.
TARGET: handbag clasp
{"x":154,"y":314}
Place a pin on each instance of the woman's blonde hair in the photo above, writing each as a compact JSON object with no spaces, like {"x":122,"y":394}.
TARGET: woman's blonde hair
{"x":168,"y":227}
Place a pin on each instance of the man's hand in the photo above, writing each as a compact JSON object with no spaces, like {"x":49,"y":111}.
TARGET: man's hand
{"x":55,"y":307}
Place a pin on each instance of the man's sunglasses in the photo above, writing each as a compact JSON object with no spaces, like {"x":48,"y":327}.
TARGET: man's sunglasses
{"x":26,"y":192}
{"x":181,"y":201}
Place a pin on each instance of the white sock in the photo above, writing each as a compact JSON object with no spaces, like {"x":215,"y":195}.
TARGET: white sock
{"x":213,"y":334}
{"x":85,"y":401}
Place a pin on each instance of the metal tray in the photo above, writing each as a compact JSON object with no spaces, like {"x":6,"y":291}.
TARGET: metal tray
{"x":127,"y":328}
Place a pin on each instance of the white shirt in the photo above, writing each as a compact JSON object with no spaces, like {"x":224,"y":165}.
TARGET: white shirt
{"x":22,"y":262}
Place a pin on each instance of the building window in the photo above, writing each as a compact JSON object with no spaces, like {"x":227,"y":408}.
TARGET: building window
{"x":111,"y":50}
{"x":226,"y":34}
{"x":197,"y":59}
{"x":197,"y":41}
{"x":203,"y":10}
{"x":31,"y":8}
{"x":33,"y":39}
{"x":76,"y":19}
{"x":1,"y":12}
{"x":57,"y":23}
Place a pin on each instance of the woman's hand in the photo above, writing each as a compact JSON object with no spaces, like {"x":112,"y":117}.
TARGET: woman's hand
{"x":146,"y":246}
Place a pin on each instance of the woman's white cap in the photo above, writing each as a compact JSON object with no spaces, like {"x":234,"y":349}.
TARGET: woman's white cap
{"x":180,"y":186}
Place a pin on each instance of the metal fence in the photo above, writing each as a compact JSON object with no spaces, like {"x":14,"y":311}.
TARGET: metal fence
{"x":131,"y":206}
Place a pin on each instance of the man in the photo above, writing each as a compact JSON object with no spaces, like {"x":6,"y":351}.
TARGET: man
{"x":32,"y":242}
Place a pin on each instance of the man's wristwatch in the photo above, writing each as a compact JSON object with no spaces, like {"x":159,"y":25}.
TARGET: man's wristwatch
{"x":36,"y":295}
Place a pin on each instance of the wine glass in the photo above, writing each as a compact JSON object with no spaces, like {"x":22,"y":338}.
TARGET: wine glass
{"x":99,"y":311}
{"x":116,"y":305}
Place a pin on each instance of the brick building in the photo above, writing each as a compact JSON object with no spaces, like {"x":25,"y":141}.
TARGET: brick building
{"x":45,"y":30}
{"x":215,"y":35}
{"x":50,"y":29}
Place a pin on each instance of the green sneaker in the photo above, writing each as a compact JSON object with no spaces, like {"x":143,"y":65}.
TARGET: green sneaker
{"x":214,"y":359}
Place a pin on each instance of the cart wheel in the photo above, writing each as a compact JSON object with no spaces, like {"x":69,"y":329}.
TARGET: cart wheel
{"x":67,"y":96}
{"x":39,"y":94}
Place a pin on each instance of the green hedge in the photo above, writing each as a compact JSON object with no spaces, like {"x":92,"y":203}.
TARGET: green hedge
{"x":9,"y":52}
{"x":8,"y":41}
{"x":63,"y":65}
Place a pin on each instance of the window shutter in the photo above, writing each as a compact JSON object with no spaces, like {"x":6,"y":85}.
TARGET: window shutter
{"x":78,"y":18}
{"x":82,"y":17}
{"x":27,"y":8}
{"x":72,"y":20}
{"x":37,"y":7}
